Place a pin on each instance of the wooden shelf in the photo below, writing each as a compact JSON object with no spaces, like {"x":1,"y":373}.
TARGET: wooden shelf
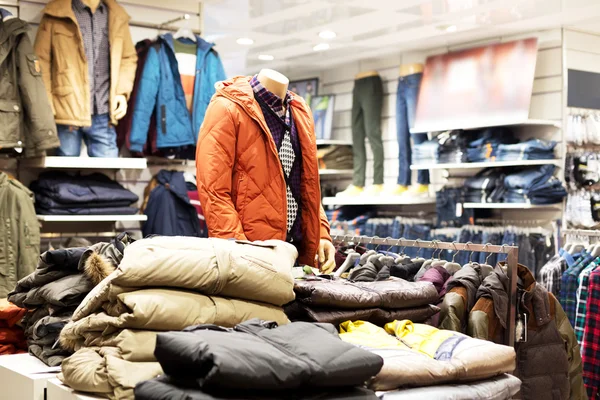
{"x":92,"y":218}
{"x":85,"y":163}
{"x":490,"y":164}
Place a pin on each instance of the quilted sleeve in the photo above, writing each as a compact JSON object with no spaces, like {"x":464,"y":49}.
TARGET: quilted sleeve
{"x":128,"y":65}
{"x":145,"y":101}
{"x":215,"y":157}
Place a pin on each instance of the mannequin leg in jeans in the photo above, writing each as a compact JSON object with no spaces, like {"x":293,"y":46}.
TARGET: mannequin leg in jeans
{"x":101,"y":138}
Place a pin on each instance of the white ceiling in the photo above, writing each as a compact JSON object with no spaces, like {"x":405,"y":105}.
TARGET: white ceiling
{"x":288,"y":29}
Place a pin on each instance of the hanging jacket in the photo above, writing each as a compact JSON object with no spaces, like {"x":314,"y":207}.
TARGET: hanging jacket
{"x":59,"y":46}
{"x":549,"y":362}
{"x":161,"y":90}
{"x":240,"y":180}
{"x":26,"y":118}
{"x":168,"y":208}
{"x":19,"y":233}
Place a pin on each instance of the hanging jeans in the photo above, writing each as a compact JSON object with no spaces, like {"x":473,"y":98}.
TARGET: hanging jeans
{"x":367,"y":102}
{"x":406,"y":107}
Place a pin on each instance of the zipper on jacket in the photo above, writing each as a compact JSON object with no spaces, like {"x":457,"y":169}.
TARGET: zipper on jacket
{"x":163,"y":118}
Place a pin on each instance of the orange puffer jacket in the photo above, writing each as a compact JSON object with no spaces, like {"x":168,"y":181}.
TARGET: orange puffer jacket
{"x":240,"y":179}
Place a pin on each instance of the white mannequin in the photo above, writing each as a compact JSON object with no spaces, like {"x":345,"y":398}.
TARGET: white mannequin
{"x":119,"y":109}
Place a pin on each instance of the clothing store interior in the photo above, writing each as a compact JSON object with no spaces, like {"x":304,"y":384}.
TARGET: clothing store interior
{"x":299,"y":199}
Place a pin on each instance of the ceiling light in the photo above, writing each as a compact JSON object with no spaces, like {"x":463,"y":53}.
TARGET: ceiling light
{"x":327,"y":35}
{"x":245,"y":41}
{"x":451,"y":28}
{"x":266,"y":57}
{"x":321,"y":47}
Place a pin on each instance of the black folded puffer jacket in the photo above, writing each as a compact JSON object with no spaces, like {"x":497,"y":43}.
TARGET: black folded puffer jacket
{"x":261,"y":356}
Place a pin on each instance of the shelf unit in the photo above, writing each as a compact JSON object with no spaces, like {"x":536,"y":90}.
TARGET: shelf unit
{"x":513,"y":206}
{"x":92,"y":218}
{"x":85,"y":163}
{"x":468,"y":126}
{"x":377,"y":201}
{"x":481,"y":165}
{"x":329,"y":172}
{"x":331,"y":142}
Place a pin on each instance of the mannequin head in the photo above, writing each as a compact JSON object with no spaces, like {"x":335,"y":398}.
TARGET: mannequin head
{"x":274,"y":82}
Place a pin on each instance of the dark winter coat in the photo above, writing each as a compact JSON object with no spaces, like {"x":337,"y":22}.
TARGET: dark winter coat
{"x":549,"y":362}
{"x":169,"y":210}
{"x":261,"y":356}
{"x":26,"y":118}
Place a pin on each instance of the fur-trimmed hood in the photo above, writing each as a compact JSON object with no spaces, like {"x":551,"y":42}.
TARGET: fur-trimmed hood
{"x":101,"y":259}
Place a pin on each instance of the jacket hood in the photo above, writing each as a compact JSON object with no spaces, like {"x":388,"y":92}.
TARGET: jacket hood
{"x":12,"y":27}
{"x":62,"y":9}
{"x":203,"y":46}
{"x":174,"y":182}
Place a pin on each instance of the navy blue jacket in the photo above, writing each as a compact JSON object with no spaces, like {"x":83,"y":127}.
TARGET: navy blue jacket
{"x":160,"y":90}
{"x":169,"y":210}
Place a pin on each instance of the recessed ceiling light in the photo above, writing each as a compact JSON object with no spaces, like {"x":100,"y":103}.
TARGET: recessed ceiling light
{"x":265,"y":57}
{"x":321,"y":47}
{"x":327,"y":35}
{"x":245,"y":41}
{"x":451,"y":28}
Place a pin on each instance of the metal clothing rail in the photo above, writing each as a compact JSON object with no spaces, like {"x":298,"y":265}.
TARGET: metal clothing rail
{"x":512,"y":253}
{"x":581,"y":232}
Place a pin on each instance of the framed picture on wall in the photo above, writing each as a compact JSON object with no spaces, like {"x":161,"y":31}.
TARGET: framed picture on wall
{"x":322,"y":109}
{"x":306,"y":88}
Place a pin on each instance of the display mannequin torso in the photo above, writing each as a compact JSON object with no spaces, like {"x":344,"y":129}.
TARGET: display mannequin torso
{"x":275,"y":82}
{"x":366,"y":74}
{"x":409,"y":69}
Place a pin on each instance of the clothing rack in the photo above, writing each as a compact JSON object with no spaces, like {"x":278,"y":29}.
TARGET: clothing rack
{"x":512,"y":253}
{"x":168,"y":25}
{"x":581,"y":232}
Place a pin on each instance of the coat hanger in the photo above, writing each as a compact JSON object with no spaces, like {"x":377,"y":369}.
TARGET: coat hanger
{"x":418,"y":258}
{"x":185,"y":32}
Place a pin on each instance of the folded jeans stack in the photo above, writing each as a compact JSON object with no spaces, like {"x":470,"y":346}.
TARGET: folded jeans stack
{"x":419,"y":355}
{"x":535,"y":186}
{"x":485,"y":187}
{"x":335,"y":157}
{"x":485,"y":147}
{"x":335,"y":301}
{"x":426,"y":152}
{"x":532,"y":149}
{"x":12,"y":338}
{"x":261,"y":360}
{"x":58,"y":193}
{"x":453,"y":147}
{"x":170,"y":283}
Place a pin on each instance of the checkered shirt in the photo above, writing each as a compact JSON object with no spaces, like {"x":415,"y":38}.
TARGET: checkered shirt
{"x":569,"y":286}
{"x":591,"y":342}
{"x":551,"y":273}
{"x":290,"y":154}
{"x":582,"y":296}
{"x":94,"y":31}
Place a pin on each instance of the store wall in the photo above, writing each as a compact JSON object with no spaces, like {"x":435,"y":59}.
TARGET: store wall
{"x":582,"y":50}
{"x":546,"y":101}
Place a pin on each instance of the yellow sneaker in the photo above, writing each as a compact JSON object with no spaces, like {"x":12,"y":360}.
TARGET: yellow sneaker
{"x":374,"y":190}
{"x":418,"y":190}
{"x":351,"y":191}
{"x":396,"y":190}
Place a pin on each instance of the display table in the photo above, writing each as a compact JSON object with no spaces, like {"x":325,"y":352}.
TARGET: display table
{"x":58,"y":391}
{"x":24,"y":377}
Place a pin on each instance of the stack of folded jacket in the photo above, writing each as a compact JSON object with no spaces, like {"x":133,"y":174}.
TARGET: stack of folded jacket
{"x":53,"y":291}
{"x":165,"y":284}
{"x":335,"y":301}
{"x":532,"y":149}
{"x":535,"y":186}
{"x":419,"y":355}
{"x":335,"y":157}
{"x":58,"y":193}
{"x":260,"y":360}
{"x":12,"y":339}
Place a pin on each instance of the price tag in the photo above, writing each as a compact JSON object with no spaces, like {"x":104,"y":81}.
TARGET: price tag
{"x":459,"y":209}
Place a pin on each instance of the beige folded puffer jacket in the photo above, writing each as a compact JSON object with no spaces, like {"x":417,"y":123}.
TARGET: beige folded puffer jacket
{"x":170,"y":283}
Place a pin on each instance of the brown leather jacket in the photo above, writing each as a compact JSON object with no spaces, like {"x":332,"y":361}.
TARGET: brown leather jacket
{"x":549,"y":362}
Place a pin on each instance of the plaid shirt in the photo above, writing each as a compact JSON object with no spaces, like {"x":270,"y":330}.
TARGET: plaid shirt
{"x":277,"y":131}
{"x":551,"y":273}
{"x":591,"y":343}
{"x":568,"y":289}
{"x":582,"y":296}
{"x":94,"y":32}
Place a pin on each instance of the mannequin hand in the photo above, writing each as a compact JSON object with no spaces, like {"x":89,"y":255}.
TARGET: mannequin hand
{"x":120,"y":106}
{"x":326,"y":256}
